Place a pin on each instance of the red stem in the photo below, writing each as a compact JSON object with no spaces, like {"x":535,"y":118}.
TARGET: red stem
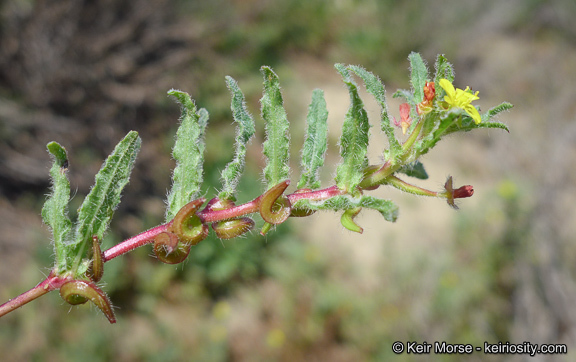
{"x":208,"y":215}
{"x":53,"y":282}
{"x":147,"y":237}
{"x":47,"y":285}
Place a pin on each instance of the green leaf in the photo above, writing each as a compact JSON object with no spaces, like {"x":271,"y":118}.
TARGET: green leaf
{"x":314,"y":148}
{"x":354,"y":139}
{"x":375,"y":87}
{"x":188,"y":152}
{"x":444,"y":70}
{"x":444,"y":125}
{"x":492,"y":112}
{"x":277,"y":144}
{"x":455,"y":120}
{"x":414,"y":169}
{"x":489,"y":125}
{"x":388,"y":209}
{"x":55,"y":210}
{"x":418,"y":76}
{"x":406,"y":94}
{"x":98,"y":207}
{"x":245,"y":130}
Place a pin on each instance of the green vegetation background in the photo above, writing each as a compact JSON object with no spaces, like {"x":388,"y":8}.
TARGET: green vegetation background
{"x":501,"y":269}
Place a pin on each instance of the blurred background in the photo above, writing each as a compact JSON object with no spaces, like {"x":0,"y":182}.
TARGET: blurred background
{"x":84,"y":73}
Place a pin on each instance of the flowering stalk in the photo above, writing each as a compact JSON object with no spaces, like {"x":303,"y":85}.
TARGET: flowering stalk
{"x":425,"y":119}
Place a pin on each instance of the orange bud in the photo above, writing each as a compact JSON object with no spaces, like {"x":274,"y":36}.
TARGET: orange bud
{"x":429,"y":94}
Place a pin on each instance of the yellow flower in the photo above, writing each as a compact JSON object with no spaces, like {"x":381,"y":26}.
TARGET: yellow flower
{"x":458,"y":98}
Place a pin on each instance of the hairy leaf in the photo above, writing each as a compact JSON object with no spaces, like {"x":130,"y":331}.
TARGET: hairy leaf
{"x":245,"y":130}
{"x":492,"y":112}
{"x":375,"y":87}
{"x":98,"y":207}
{"x":188,"y":152}
{"x":414,"y":169}
{"x":406,"y":94}
{"x":314,"y":148}
{"x":55,"y":210}
{"x":456,"y":120}
{"x":277,"y":144}
{"x":444,"y":70}
{"x":418,"y":76}
{"x":354,"y":139}
{"x":443,"y":126}
{"x":387,"y":208}
{"x":489,"y":125}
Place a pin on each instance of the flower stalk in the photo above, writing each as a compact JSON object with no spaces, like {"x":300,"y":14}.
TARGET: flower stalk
{"x":424,"y":119}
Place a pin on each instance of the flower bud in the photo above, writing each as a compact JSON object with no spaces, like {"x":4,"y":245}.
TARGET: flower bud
{"x":405,"y":120}
{"x":427,"y":104}
{"x":459,"y":193}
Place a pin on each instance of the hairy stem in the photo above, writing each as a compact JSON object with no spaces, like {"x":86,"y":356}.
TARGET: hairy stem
{"x":147,"y":237}
{"x":49,"y":284}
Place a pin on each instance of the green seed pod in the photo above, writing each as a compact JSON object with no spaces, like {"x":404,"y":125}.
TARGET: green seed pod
{"x":216,"y":204}
{"x":275,"y":208}
{"x":301,"y":212}
{"x":96,"y":269}
{"x":80,"y":291}
{"x":187,"y":225}
{"x":228,"y":229}
{"x":347,"y":220}
{"x":169,"y":250}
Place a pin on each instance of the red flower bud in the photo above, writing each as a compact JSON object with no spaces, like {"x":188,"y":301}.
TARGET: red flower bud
{"x":405,"y":120}
{"x":429,"y":91}
{"x":463,"y":192}
{"x":459,"y":193}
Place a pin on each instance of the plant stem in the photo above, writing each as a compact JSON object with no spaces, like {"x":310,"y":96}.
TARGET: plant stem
{"x":47,"y":285}
{"x":147,"y":237}
{"x":412,"y":189}
{"x":53,"y":282}
{"x":208,"y":215}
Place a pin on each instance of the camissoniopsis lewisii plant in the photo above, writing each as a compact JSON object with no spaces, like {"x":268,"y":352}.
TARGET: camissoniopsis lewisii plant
{"x":433,"y":108}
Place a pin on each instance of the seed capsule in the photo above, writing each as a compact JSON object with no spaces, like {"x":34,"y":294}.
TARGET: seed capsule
{"x":347,"y":220}
{"x":275,"y":208}
{"x":80,"y":291}
{"x":228,"y":229}
{"x":96,"y":269}
{"x":169,"y":250}
{"x":188,"y":226}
